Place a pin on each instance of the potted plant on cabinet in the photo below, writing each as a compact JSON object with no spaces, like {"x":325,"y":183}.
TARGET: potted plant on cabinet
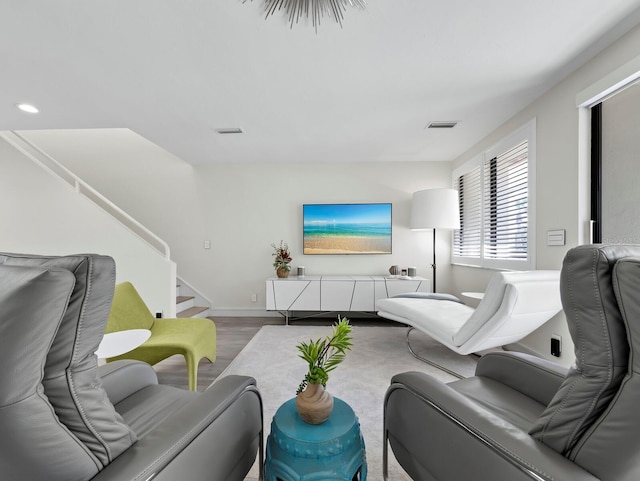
{"x":282,"y":259}
{"x":313,"y":402}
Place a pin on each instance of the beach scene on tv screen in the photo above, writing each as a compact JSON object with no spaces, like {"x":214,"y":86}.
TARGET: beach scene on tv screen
{"x":347,"y":229}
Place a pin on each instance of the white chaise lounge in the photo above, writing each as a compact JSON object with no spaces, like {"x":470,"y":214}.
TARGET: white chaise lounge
{"x":514,"y":305}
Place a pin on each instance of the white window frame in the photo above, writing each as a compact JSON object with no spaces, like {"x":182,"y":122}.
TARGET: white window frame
{"x":526,"y":132}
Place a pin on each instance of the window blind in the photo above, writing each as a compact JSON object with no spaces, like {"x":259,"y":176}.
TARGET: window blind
{"x":467,"y":240}
{"x":505,"y":215}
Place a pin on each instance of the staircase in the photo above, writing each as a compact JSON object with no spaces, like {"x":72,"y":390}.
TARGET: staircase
{"x":190,"y":303}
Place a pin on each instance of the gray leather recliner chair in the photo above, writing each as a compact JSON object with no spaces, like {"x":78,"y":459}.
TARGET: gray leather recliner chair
{"x":523,"y":418}
{"x":63,"y":418}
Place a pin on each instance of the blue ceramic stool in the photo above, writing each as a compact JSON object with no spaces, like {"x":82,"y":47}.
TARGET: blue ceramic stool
{"x":331,"y":451}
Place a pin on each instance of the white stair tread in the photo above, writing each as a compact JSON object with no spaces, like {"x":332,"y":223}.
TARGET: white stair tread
{"x":192,"y":311}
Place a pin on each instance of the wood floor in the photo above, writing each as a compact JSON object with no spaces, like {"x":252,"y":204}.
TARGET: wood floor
{"x":233,"y":334}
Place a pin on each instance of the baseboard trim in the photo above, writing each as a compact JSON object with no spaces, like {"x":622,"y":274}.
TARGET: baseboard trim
{"x":517,"y":347}
{"x":293,"y":314}
{"x":243,"y":313}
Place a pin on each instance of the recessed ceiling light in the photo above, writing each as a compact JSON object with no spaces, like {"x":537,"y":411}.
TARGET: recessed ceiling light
{"x":28,"y":108}
{"x":230,"y":130}
{"x":442,"y":125}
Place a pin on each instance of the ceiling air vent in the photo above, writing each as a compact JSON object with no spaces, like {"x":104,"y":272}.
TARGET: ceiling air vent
{"x":231,"y":130}
{"x":441,"y":125}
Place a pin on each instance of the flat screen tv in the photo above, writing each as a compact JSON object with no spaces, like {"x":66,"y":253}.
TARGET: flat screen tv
{"x":346,"y":228}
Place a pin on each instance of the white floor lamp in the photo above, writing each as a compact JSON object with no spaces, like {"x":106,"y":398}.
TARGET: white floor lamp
{"x":435,"y":209}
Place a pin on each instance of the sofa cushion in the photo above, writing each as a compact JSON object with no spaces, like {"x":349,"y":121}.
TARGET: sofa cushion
{"x":500,"y":399}
{"x":147,"y":408}
{"x":33,"y":301}
{"x":71,"y":382}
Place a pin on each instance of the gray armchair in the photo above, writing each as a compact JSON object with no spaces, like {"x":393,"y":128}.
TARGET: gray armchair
{"x":524,"y":418}
{"x":65,"y":419}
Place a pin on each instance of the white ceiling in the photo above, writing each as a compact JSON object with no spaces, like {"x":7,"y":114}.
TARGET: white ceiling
{"x":174,"y":71}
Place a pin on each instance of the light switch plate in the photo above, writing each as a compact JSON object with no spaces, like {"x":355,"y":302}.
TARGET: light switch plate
{"x":556,"y":237}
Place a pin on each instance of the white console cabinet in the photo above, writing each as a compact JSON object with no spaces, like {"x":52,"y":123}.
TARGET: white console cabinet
{"x":336,"y":293}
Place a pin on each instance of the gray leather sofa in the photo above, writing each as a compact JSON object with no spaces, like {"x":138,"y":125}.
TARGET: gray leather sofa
{"x":63,"y":418}
{"x":523,"y":418}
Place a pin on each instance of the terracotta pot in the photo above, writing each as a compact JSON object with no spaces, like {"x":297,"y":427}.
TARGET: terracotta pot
{"x":282,"y":272}
{"x":314,"y":404}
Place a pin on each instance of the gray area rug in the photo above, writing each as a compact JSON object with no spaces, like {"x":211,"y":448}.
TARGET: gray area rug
{"x":361,"y":380}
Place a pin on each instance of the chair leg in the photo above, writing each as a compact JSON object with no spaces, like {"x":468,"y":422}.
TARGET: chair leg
{"x":427,"y":361}
{"x":192,"y":371}
{"x":385,"y":445}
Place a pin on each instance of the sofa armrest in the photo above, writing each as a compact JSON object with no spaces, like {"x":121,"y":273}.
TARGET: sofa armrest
{"x":205,"y":439}
{"x":430,"y":427}
{"x":534,"y":377}
{"x":120,"y":379}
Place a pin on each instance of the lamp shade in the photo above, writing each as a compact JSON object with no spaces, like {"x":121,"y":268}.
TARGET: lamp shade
{"x":435,"y":209}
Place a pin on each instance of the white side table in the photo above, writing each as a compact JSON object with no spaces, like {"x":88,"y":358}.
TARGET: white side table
{"x":116,"y":343}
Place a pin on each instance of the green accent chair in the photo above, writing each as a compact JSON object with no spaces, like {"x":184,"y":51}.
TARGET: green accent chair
{"x":194,"y":338}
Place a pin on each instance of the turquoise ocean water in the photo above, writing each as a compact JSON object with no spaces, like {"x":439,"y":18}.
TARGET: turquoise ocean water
{"x":346,"y":230}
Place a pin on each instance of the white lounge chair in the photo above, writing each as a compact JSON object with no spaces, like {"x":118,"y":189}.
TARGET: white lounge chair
{"x":514,"y":305}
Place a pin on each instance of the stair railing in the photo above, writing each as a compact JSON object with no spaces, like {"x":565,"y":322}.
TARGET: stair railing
{"x":61,"y":172}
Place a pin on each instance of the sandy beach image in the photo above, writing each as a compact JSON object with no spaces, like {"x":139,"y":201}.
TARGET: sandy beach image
{"x":347,"y":245}
{"x":347,"y":228}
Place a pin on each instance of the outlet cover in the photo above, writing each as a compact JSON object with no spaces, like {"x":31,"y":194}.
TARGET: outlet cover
{"x":556,"y":345}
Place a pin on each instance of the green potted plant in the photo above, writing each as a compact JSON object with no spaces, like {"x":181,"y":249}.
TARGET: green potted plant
{"x":282,"y":259}
{"x":322,"y":356}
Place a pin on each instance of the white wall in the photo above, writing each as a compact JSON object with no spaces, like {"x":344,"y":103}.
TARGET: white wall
{"x":562,"y":165}
{"x":242,"y":209}
{"x":261,"y":204}
{"x":44,"y":215}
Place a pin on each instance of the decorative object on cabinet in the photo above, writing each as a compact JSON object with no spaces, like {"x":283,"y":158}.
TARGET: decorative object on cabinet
{"x":282,"y":259}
